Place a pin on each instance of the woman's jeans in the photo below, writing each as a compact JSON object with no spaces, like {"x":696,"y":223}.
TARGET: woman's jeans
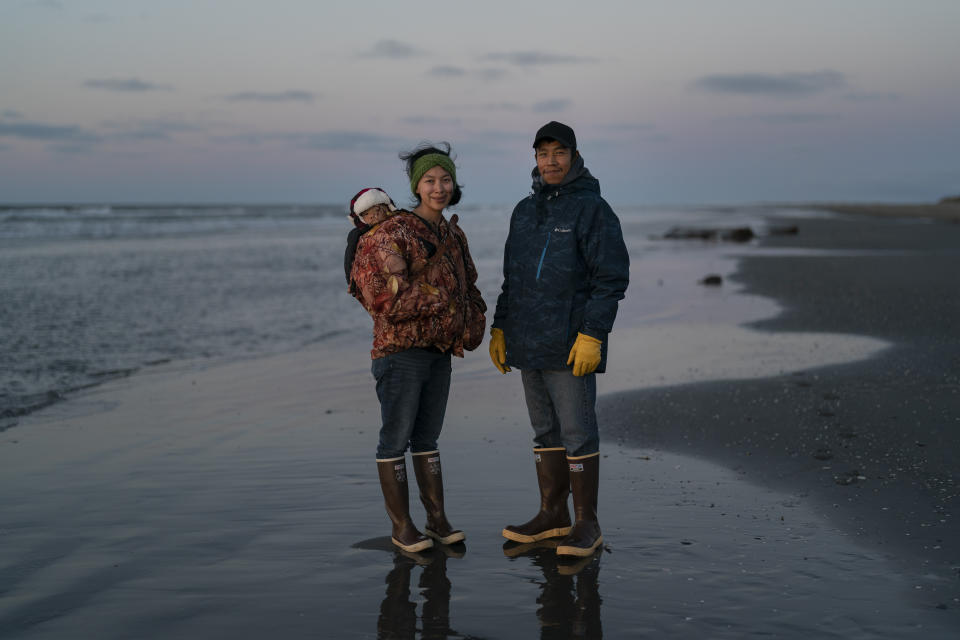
{"x":562,"y":410}
{"x":412,"y":386}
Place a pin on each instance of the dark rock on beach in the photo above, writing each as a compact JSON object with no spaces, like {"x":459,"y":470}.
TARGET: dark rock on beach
{"x":738,"y":234}
{"x":784,"y":230}
{"x":712,"y":280}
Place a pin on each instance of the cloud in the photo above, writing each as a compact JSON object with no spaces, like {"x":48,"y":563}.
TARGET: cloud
{"x":620,"y":137}
{"x":784,"y":85}
{"x":47,"y":132}
{"x":10,"y":113}
{"x":149,"y":129}
{"x":291,"y":95}
{"x":629,"y":126}
{"x":322,"y":141}
{"x":487,"y":106}
{"x":431,"y":120}
{"x":490,"y":74}
{"x":789,"y":118}
{"x":391,"y":49}
{"x":492,"y":106}
{"x":71,"y":138}
{"x":628,"y":133}
{"x":551,"y":106}
{"x":445,"y":71}
{"x":537,"y":58}
{"x":71,"y":148}
{"x":350,"y":141}
{"x":481,"y":145}
{"x":62,"y":138}
{"x":865,"y":96}
{"x":130,"y":85}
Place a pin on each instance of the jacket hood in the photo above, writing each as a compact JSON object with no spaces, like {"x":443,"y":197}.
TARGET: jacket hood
{"x":579,"y":177}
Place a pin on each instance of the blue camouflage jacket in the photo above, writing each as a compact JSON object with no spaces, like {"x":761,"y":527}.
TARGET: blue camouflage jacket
{"x":565,"y":268}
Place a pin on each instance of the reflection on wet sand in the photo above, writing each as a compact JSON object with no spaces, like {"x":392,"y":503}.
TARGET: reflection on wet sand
{"x":569,"y":594}
{"x":398,"y":612}
{"x":569,"y":599}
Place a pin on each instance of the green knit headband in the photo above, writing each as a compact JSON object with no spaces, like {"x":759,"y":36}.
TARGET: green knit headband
{"x":427,"y":162}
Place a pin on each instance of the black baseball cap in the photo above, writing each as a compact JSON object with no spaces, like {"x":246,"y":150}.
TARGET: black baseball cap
{"x":556,"y":131}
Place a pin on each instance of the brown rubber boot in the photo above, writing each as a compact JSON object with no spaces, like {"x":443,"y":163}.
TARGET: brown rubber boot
{"x":393,"y":483}
{"x":426,"y":466}
{"x":585,"y":536}
{"x":553,"y":519}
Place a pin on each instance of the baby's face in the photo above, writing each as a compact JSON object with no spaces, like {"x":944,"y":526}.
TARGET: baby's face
{"x":375,"y":214}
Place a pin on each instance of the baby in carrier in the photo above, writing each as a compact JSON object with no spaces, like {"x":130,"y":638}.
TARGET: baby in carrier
{"x":368,"y":208}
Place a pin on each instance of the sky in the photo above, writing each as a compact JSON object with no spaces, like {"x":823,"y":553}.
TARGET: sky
{"x":297,"y":101}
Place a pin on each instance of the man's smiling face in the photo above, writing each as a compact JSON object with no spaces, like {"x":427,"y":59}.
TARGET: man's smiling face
{"x":553,"y":161}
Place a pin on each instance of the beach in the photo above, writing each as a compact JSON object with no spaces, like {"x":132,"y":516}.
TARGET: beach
{"x":779,"y":458}
{"x":875,"y":444}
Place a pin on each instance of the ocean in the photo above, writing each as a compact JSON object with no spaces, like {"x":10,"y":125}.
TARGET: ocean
{"x":92,"y":293}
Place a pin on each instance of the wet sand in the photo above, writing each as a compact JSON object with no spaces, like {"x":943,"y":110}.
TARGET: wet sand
{"x":240,"y":499}
{"x":874,"y":445}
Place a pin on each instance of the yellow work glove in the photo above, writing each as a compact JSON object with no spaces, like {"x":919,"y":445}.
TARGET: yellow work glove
{"x":585,"y":355}
{"x":498,"y":350}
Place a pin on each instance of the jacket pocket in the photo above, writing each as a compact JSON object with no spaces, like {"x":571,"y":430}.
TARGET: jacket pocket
{"x":475,"y":325}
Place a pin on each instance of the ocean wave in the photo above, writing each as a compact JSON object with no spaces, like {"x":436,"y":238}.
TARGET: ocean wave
{"x":110,"y":221}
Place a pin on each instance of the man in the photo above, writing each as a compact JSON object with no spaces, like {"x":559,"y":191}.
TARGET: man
{"x":565,"y":268}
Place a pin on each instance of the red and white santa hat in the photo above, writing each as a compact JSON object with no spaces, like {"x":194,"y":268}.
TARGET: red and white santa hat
{"x":370,"y":197}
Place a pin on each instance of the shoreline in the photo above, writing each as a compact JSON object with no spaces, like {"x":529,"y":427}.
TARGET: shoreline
{"x":11,"y":416}
{"x":942,"y":211}
{"x":875,"y":443}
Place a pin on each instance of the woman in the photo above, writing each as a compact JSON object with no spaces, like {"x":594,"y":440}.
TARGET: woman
{"x":413,"y":272}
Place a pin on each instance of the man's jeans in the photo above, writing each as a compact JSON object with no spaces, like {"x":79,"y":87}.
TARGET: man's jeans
{"x":412,"y":386}
{"x":562,"y":410}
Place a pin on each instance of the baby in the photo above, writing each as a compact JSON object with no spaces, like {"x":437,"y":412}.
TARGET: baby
{"x":368,"y":208}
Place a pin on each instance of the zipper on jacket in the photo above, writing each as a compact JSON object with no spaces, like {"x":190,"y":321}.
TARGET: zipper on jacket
{"x":543,"y":255}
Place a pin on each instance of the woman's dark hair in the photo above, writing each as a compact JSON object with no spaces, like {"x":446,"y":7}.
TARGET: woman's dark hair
{"x":424,"y":148}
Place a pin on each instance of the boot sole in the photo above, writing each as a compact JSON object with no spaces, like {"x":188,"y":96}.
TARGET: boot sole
{"x":515,"y":549}
{"x":537,"y":537}
{"x":456,"y":536}
{"x":416,"y":546}
{"x":580,"y":552}
{"x":572,"y":567}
